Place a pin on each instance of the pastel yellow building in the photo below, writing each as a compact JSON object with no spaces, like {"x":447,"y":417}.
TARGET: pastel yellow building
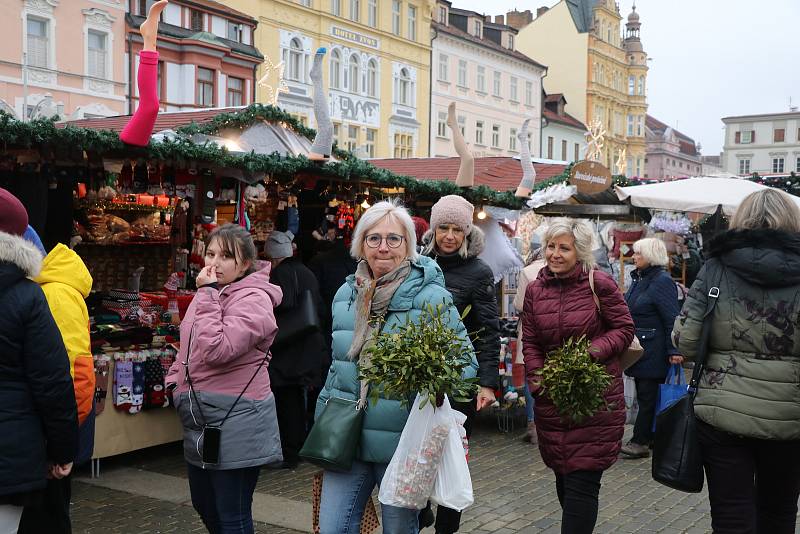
{"x":601,"y":72}
{"x":377,"y":67}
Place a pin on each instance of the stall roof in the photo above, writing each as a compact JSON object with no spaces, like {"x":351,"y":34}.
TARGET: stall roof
{"x":167,"y":120}
{"x":501,"y":173}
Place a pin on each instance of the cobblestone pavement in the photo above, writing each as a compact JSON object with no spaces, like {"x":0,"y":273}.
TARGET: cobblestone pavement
{"x":515,"y":492}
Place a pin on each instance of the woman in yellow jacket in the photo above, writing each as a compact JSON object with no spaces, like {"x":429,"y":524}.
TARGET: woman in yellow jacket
{"x":66,"y":282}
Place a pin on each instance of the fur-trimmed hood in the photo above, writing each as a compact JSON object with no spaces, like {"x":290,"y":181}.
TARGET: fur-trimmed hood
{"x":762,"y":257}
{"x":17,"y":252}
{"x":476,"y":242}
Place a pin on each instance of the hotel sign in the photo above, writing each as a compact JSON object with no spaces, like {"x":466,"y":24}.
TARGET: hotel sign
{"x":354,"y":37}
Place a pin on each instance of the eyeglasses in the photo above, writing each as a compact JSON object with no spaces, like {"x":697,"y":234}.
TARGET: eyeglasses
{"x":392,"y":240}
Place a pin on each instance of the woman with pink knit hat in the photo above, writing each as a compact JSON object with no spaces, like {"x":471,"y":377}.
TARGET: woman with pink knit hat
{"x":455,"y":243}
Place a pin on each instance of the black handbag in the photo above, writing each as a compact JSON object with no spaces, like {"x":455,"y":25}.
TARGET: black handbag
{"x":298,"y":321}
{"x":677,"y":461}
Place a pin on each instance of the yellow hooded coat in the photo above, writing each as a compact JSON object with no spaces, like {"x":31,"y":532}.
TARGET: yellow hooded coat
{"x":66,"y":282}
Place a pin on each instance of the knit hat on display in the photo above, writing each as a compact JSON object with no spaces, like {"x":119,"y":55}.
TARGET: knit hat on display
{"x":420,"y":227}
{"x":453,"y":209}
{"x":13,"y":216}
{"x":279,"y":245}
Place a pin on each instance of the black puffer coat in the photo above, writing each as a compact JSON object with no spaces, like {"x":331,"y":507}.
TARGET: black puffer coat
{"x":306,"y":361}
{"x":471,"y":283}
{"x":38,"y":415}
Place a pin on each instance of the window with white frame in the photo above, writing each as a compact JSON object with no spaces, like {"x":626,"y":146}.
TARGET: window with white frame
{"x":744,"y":166}
{"x":619,"y":128}
{"x":38,"y":42}
{"x":396,"y":9}
{"x":563,"y":150}
{"x":549,"y":147}
{"x":372,"y":78}
{"x":797,"y":164}
{"x":746,"y":137}
{"x":481,"y":79}
{"x":306,"y":3}
{"x":205,"y":87}
{"x":235,"y":91}
{"x":405,"y":88}
{"x":352,"y":138}
{"x":577,"y":152}
{"x":355,"y":9}
{"x":97,"y":43}
{"x":336,"y":8}
{"x":777,"y":164}
{"x":639,"y":126}
{"x":512,"y":139}
{"x":478,"y":132}
{"x":441,"y":125}
{"x":462,"y":125}
{"x":641,"y":86}
{"x":336,"y":70}
{"x":442,"y":15}
{"x":512,"y":89}
{"x":372,"y":15}
{"x":462,"y":73}
{"x":528,"y":93}
{"x":496,"y":136}
{"x":444,"y":67}
{"x":477,"y":28}
{"x":630,"y":125}
{"x":372,"y":134}
{"x":412,"y":23}
{"x":510,"y":42}
{"x":355,"y":73}
{"x":496,"y":86}
{"x":235,"y":32}
{"x":403,"y":145}
{"x":631,"y":85}
{"x":294,"y":69}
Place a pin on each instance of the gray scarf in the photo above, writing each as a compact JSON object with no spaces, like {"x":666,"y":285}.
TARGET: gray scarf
{"x":372,"y":303}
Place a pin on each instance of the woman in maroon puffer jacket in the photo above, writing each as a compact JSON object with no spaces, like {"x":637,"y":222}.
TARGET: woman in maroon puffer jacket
{"x":559,"y":305}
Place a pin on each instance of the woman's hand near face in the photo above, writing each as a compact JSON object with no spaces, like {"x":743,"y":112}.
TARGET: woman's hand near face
{"x":207,"y":275}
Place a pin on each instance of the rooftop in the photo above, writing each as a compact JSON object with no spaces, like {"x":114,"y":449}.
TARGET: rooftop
{"x":501,"y":173}
{"x":488,"y":43}
{"x":767,"y":116}
{"x":687,"y":144}
{"x":219,"y":7}
{"x":165,"y":121}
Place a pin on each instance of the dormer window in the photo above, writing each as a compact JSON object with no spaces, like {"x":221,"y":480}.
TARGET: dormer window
{"x":477,"y":28}
{"x":510,"y":42}
{"x":443,"y":15}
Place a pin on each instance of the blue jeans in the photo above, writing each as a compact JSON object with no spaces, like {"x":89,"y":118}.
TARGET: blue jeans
{"x":344,"y":497}
{"x":528,"y":402}
{"x":224,"y":498}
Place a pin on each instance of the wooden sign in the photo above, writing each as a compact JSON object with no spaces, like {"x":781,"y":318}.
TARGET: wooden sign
{"x":590,"y":177}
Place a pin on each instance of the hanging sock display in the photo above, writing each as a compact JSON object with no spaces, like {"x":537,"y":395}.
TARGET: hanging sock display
{"x":528,"y":172}
{"x":138,"y":381}
{"x":123,"y":382}
{"x":466,"y":169}
{"x":101,"y":363}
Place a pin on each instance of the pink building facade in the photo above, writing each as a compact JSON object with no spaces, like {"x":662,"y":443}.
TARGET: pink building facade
{"x":670,"y":154}
{"x":71,"y":53}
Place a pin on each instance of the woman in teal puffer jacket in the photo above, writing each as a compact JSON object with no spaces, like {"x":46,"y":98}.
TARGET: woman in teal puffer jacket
{"x":391,"y":281}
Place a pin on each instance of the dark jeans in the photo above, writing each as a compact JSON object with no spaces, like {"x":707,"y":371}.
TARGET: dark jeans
{"x":290,"y":404}
{"x":753,"y":484}
{"x":448,"y":521}
{"x":646,"y":396}
{"x":224,"y":498}
{"x":51,"y":514}
{"x":578,"y":494}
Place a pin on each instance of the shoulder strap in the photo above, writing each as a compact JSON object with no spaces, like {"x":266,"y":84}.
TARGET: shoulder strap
{"x":714,"y":277}
{"x":594,"y":293}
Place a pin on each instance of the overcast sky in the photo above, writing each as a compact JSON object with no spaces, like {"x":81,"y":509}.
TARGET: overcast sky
{"x":710,"y":58}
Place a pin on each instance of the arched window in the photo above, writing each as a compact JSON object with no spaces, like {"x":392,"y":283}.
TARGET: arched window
{"x":355,"y":74}
{"x":641,"y":85}
{"x":372,"y":78}
{"x":295,"y":66}
{"x":336,"y":67}
{"x":404,"y":87}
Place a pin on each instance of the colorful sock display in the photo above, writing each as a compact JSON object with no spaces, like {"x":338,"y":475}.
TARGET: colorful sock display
{"x":137,"y":397}
{"x":101,"y":363}
{"x":154,"y":396}
{"x":137,"y":131}
{"x":323,"y":141}
{"x":123,"y":384}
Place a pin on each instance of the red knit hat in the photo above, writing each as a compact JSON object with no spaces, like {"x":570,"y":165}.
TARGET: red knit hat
{"x":13,"y":216}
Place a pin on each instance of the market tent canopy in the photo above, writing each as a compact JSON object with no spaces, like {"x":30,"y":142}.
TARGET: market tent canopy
{"x":700,"y":195}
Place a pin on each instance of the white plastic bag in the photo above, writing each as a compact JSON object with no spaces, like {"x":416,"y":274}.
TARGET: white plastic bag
{"x":453,"y":487}
{"x":631,"y":402}
{"x":409,"y":478}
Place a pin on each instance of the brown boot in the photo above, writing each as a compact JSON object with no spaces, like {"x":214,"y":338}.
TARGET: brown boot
{"x":634,"y":450}
{"x":530,"y":435}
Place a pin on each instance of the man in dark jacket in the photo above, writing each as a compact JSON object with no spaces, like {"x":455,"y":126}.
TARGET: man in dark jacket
{"x":331,"y":268}
{"x":38,"y":414}
{"x":299,"y":364}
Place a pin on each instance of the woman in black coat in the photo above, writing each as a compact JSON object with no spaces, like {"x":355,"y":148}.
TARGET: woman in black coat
{"x":455,"y":243}
{"x":38,"y":415}
{"x":653,"y":301}
{"x":300,"y":364}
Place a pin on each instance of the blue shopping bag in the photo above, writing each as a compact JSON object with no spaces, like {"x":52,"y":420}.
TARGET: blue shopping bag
{"x":671,"y":391}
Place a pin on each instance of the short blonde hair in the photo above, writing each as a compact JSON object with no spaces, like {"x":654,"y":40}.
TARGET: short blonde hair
{"x":583,"y":234}
{"x":768,"y":208}
{"x":393,"y":210}
{"x":653,"y":251}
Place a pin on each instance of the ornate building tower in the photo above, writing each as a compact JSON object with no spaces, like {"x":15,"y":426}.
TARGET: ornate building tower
{"x":637,"y":100}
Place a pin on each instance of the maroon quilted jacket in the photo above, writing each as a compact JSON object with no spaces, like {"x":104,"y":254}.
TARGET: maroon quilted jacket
{"x":559,"y":308}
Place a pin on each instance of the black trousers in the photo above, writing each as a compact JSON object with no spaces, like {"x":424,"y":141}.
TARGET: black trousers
{"x":646,"y":395}
{"x":290,"y":404}
{"x":753,"y":484}
{"x":578,"y":493}
{"x":448,"y":521}
{"x":51,"y":514}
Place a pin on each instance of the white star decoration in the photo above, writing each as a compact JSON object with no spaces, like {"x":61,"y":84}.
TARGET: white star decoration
{"x":272,"y":93}
{"x":595,"y":138}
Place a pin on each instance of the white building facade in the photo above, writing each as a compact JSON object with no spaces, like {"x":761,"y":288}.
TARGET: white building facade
{"x":494,"y":87}
{"x":766,"y":144}
{"x":563,"y":136}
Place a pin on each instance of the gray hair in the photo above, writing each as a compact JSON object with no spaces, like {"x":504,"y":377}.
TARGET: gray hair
{"x":430,"y":249}
{"x":583,"y":234}
{"x":653,"y":251}
{"x":768,"y":208}
{"x":393,"y":210}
